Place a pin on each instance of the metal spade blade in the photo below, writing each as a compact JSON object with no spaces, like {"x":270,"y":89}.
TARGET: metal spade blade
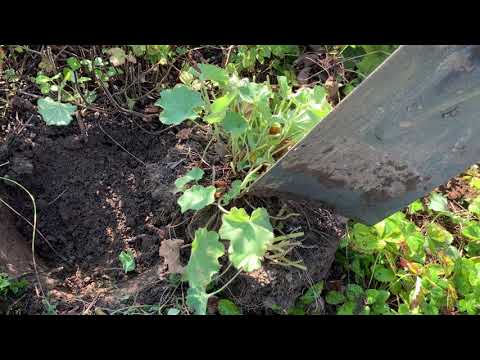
{"x":409,"y":127}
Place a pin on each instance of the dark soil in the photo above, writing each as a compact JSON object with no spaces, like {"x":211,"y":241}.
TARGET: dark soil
{"x":94,"y":200}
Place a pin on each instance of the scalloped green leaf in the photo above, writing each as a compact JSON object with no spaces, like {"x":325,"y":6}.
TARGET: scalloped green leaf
{"x":249,"y":237}
{"x":203,"y":263}
{"x":196,"y":198}
{"x":193,"y":175}
{"x":179,"y":104}
{"x":54,"y":112}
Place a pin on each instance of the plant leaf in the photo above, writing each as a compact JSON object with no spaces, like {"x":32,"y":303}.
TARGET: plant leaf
{"x":312,"y":294}
{"x":232,"y":193}
{"x":179,"y":104}
{"x":193,"y":175}
{"x":249,"y":237}
{"x":235,"y":123}
{"x":173,"y":311}
{"x":227,"y":307}
{"x":203,"y":263}
{"x":117,"y":56}
{"x":196,"y":198}
{"x":213,"y":73}
{"x":383,"y":274}
{"x":127,"y":260}
{"x":472,"y":231}
{"x":197,"y":300}
{"x":474,"y":206}
{"x":334,"y":297}
{"x":438,"y":203}
{"x":55,"y":113}
{"x":416,"y":206}
{"x":439,"y":234}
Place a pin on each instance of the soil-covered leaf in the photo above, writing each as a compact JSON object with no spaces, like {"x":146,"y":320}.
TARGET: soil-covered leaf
{"x":249,"y":237}
{"x":54,"y":112}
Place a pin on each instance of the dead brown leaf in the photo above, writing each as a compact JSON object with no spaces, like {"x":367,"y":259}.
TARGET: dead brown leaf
{"x":170,"y":251}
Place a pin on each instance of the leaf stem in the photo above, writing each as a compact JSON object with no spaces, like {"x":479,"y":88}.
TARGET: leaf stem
{"x":226,"y":284}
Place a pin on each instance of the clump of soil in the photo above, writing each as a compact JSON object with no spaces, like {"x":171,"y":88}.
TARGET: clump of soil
{"x":109,"y":188}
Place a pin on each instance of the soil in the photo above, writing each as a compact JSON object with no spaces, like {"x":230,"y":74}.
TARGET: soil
{"x":109,"y":188}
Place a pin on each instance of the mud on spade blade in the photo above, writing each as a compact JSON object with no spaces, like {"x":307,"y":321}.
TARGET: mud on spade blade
{"x":410,"y":126}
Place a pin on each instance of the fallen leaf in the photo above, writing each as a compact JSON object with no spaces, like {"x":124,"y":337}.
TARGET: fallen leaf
{"x":170,"y":251}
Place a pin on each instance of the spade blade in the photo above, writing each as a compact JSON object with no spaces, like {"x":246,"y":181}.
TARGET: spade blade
{"x":413,"y":124}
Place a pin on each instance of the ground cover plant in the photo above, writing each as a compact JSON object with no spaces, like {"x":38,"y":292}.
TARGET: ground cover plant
{"x":216,"y":117}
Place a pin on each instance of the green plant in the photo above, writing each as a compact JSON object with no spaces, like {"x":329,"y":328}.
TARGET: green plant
{"x":413,"y":270}
{"x":127,"y":259}
{"x":258,"y":124}
{"x":11,"y":286}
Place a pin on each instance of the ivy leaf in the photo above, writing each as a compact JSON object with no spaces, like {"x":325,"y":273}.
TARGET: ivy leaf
{"x":203,"y":263}
{"x":438,"y":203}
{"x":213,"y":73}
{"x":249,"y":237}
{"x":193,"y":175}
{"x":235,"y":123}
{"x":347,"y":309}
{"x":472,"y":231}
{"x":196,"y":198}
{"x":232,"y":193}
{"x":474,"y":206}
{"x":334,"y":297}
{"x":312,"y":294}
{"x":383,"y":274}
{"x":55,"y":113}
{"x":197,"y":300}
{"x":117,"y":56}
{"x":127,"y":260}
{"x":227,"y":307}
{"x":179,"y":104}
{"x":439,"y":234}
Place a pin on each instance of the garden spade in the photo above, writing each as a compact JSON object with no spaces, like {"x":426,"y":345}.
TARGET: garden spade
{"x":409,"y":127}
